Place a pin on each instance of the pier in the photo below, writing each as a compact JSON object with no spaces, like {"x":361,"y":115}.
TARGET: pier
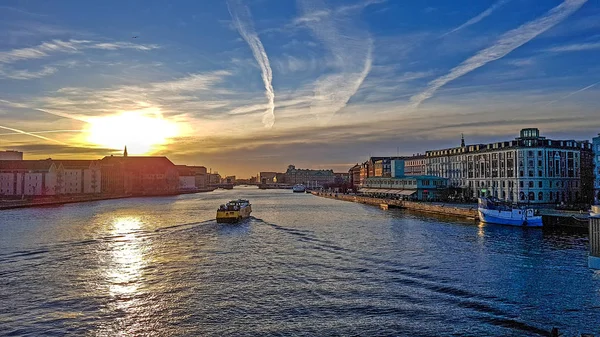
{"x":551,"y":218}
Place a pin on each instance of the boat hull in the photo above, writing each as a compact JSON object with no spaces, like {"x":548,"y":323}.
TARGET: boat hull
{"x":233,"y":216}
{"x":496,"y":217}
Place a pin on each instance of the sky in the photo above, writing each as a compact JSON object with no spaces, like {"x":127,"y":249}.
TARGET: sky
{"x":242,"y":86}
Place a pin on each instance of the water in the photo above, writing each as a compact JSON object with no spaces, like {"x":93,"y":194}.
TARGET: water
{"x":302,"y":265}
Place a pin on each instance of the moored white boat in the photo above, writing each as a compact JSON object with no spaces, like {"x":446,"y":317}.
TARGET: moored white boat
{"x":498,"y":212}
{"x":595,"y":212}
{"x":299,"y":188}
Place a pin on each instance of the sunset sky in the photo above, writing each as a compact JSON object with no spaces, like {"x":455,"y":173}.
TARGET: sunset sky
{"x":242,"y":86}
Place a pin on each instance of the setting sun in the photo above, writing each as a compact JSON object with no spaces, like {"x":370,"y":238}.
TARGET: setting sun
{"x":141,"y":131}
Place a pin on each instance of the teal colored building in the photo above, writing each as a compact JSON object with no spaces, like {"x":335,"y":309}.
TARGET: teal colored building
{"x":422,"y":188}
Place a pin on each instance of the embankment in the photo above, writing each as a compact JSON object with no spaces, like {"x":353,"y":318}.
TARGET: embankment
{"x":554,"y":220}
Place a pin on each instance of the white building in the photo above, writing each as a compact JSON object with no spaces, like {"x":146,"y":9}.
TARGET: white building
{"x":49,"y":177}
{"x":529,"y":169}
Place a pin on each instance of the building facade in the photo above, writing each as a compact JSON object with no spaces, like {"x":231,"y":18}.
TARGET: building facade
{"x":354,"y":176}
{"x":49,"y":177}
{"x":11,"y":155}
{"x":415,"y":165}
{"x":139,"y":175}
{"x":596,"y":148}
{"x":423,"y":188}
{"x":528,"y":169}
{"x":312,"y":178}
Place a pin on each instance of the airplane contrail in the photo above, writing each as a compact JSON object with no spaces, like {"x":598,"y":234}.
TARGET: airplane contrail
{"x":40,"y":132}
{"x":32,"y":134}
{"x":573,"y":93}
{"x":508,"y":42}
{"x":243,"y":21}
{"x":479,"y":17}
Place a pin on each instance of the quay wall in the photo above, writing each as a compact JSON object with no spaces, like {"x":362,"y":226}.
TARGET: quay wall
{"x":555,"y":220}
{"x":470,"y":213}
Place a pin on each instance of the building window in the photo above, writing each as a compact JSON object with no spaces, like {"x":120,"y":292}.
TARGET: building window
{"x":531,"y":196}
{"x":531,"y":184}
{"x":540,"y":196}
{"x":539,"y":173}
{"x":521,"y":184}
{"x":522,"y":196}
{"x":551,"y":196}
{"x":530,"y":173}
{"x":539,"y":184}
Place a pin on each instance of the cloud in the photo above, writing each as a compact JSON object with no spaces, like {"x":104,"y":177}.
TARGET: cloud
{"x":59,"y":46}
{"x":26,"y":74}
{"x":349,"y":50}
{"x":575,"y":47}
{"x":243,"y":21}
{"x":479,"y":17}
{"x":508,"y":42}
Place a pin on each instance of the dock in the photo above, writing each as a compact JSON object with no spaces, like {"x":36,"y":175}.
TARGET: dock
{"x":551,"y":218}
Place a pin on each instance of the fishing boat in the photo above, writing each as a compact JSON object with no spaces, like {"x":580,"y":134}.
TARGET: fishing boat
{"x":299,"y":188}
{"x":492,"y":210}
{"x":234,"y":211}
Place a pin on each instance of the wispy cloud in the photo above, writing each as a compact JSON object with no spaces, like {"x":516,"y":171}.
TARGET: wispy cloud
{"x":350,"y":50}
{"x":479,"y":17}
{"x":243,"y":21}
{"x":575,"y":47}
{"x":59,"y":46}
{"x":26,"y":74}
{"x":508,"y":42}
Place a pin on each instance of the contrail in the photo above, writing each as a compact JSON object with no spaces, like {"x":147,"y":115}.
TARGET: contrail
{"x":508,"y":42}
{"x":479,"y":17}
{"x":40,"y":132}
{"x":350,"y":50}
{"x":571,"y":94}
{"x":243,"y":21}
{"x":55,"y":113}
{"x":32,"y":134}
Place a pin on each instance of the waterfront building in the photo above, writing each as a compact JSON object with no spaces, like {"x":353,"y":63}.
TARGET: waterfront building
{"x":596,"y":149}
{"x":415,"y":165}
{"x":229,"y":180}
{"x":421,"y":188}
{"x":78,"y":177}
{"x":139,"y":175}
{"x":529,"y":169}
{"x":354,"y":175}
{"x":11,"y":155}
{"x":308,"y":177}
{"x":49,"y":177}
{"x":187,"y":178}
{"x":364,"y":173}
{"x":267,"y":177}
{"x":200,"y":176}
{"x":213,"y":178}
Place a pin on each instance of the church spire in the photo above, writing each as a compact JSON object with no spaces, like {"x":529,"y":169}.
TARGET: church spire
{"x":125,"y":152}
{"x":462,"y":140}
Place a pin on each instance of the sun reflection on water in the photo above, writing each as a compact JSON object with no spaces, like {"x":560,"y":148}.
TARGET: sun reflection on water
{"x":127,"y":257}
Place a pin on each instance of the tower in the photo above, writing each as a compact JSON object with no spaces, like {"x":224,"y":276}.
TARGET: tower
{"x":462,"y":140}
{"x":125,"y":152}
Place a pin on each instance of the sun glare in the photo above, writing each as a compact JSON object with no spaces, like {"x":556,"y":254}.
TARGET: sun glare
{"x":141,"y":131}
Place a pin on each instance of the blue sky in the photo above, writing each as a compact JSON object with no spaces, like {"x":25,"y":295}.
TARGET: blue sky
{"x":247,"y":85}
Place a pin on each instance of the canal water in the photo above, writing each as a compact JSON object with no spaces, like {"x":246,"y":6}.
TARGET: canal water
{"x":302,"y":265}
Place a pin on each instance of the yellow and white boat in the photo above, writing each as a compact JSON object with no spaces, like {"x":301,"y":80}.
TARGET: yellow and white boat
{"x":234,"y":211}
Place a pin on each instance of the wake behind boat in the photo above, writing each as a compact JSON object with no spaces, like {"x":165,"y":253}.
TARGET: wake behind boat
{"x":234,"y":211}
{"x":496,"y":211}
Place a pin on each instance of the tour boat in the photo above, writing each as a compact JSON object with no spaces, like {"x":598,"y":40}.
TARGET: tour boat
{"x":234,"y":211}
{"x":496,"y":211}
{"x":299,"y":188}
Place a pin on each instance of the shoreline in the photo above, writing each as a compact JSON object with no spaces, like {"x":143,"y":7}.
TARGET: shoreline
{"x":554,"y":220}
{"x":57,"y":201}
